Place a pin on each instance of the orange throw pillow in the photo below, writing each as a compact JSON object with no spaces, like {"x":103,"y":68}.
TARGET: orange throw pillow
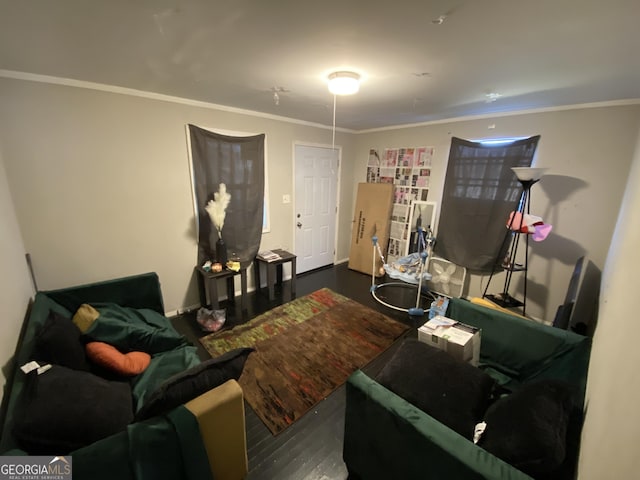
{"x":109,"y":357}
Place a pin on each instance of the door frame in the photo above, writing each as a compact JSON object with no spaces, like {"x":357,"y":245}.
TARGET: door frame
{"x":293,"y":185}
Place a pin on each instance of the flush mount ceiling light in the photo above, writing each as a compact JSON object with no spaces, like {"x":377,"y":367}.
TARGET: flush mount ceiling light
{"x":344,"y":83}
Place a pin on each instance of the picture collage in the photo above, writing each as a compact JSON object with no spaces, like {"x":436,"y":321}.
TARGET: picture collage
{"x":409,"y":169}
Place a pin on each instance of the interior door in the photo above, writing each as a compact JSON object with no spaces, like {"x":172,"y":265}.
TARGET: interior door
{"x":315,"y":206}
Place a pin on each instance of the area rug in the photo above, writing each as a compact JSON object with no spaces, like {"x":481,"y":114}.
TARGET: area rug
{"x":305,"y":349}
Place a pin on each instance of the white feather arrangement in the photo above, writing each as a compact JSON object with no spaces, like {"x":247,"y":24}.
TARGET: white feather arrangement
{"x":217,"y":208}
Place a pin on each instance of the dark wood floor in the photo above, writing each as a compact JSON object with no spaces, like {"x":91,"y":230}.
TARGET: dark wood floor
{"x":311,"y":448}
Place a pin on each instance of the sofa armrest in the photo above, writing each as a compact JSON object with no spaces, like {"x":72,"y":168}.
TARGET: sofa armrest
{"x":387,"y":437}
{"x":524,"y":349}
{"x":220,"y":416}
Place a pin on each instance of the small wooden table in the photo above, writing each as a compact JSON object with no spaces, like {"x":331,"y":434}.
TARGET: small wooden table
{"x":274,"y":271}
{"x":209,"y":282}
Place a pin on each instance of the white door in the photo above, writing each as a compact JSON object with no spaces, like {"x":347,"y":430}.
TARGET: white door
{"x":315,"y":209}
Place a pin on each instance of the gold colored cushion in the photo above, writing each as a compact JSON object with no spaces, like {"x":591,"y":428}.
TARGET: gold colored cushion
{"x":489,"y":304}
{"x":85,"y":316}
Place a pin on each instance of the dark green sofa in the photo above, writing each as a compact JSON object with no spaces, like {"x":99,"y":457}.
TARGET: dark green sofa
{"x":387,"y":437}
{"x":203,"y":438}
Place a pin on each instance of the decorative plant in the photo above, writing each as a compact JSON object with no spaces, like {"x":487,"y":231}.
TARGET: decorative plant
{"x":217,"y":208}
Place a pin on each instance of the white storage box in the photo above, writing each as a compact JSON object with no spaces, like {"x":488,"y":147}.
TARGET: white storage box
{"x":457,"y":339}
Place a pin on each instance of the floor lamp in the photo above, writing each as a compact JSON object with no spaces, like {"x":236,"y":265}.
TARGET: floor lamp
{"x":527,"y":176}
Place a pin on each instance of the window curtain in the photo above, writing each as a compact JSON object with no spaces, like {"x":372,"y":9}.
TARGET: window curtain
{"x":480,"y":190}
{"x":238,"y":162}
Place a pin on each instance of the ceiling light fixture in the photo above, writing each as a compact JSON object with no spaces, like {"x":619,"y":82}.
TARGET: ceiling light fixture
{"x":344,"y":83}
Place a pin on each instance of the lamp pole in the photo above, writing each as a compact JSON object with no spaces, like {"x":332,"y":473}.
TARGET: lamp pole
{"x":508,"y":263}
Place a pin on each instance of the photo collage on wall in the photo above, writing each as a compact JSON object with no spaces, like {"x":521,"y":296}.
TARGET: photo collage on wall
{"x":409,"y":169}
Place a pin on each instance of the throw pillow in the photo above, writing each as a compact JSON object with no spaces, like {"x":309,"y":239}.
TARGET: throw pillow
{"x":187,"y":385}
{"x":63,"y":409}
{"x":58,"y":342}
{"x":109,"y":357}
{"x":85,"y":316}
{"x":528,"y":428}
{"x":454,"y":393}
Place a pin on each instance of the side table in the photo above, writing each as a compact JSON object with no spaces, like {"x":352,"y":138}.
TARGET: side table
{"x":274,"y":271}
{"x":209,"y":282}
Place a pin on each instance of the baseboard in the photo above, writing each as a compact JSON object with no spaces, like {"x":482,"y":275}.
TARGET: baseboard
{"x":196,"y":306}
{"x":182,"y":310}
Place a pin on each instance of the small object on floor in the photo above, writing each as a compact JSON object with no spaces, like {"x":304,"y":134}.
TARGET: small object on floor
{"x":211,"y":320}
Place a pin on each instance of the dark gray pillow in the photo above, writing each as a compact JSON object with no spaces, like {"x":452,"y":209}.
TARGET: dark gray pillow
{"x":62,"y":410}
{"x":528,"y":429}
{"x":187,"y":385}
{"x":454,"y":393}
{"x":58,"y":343}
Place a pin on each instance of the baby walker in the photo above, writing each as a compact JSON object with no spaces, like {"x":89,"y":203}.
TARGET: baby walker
{"x":412,"y":270}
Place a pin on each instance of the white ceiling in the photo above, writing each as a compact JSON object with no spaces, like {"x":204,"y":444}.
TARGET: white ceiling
{"x":536,"y":53}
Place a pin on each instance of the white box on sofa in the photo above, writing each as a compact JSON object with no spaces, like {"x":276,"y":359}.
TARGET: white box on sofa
{"x":457,"y":339}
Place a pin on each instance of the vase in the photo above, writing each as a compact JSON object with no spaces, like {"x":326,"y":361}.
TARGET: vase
{"x":221,"y":252}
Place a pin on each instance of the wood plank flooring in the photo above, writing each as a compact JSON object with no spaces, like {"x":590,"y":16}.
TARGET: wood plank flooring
{"x":311,"y":448}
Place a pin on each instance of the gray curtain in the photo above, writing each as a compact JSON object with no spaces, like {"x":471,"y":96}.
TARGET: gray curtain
{"x":238,"y":162}
{"x":480,"y":191}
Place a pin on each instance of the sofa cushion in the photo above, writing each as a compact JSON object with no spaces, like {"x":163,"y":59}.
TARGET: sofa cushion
{"x":109,"y":357}
{"x":452,"y":392}
{"x":58,"y":342}
{"x":63,"y":409}
{"x":528,"y":428}
{"x":187,"y":385}
{"x":85,"y":316}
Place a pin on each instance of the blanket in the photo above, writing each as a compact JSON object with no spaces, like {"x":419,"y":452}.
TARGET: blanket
{"x":130,"y":329}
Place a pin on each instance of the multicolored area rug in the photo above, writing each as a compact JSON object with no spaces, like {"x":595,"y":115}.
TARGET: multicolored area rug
{"x":305,"y":349}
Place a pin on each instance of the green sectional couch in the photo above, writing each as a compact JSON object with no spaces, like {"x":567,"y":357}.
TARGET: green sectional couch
{"x":388,"y":437}
{"x":201,"y":438}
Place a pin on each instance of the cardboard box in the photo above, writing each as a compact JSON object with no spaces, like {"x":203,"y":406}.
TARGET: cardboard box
{"x":372,"y":216}
{"x":457,"y":339}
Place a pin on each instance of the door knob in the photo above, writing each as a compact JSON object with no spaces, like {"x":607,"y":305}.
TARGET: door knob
{"x":299,"y":225}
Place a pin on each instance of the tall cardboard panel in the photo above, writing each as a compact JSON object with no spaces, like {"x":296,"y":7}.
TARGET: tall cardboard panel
{"x":372,"y":216}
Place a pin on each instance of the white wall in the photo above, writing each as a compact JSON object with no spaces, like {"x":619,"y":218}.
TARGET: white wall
{"x":589,"y":153}
{"x":15,"y":283}
{"x":612,"y":425}
{"x":101,"y":183}
{"x":92,"y":173}
{"x":102,"y":189}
